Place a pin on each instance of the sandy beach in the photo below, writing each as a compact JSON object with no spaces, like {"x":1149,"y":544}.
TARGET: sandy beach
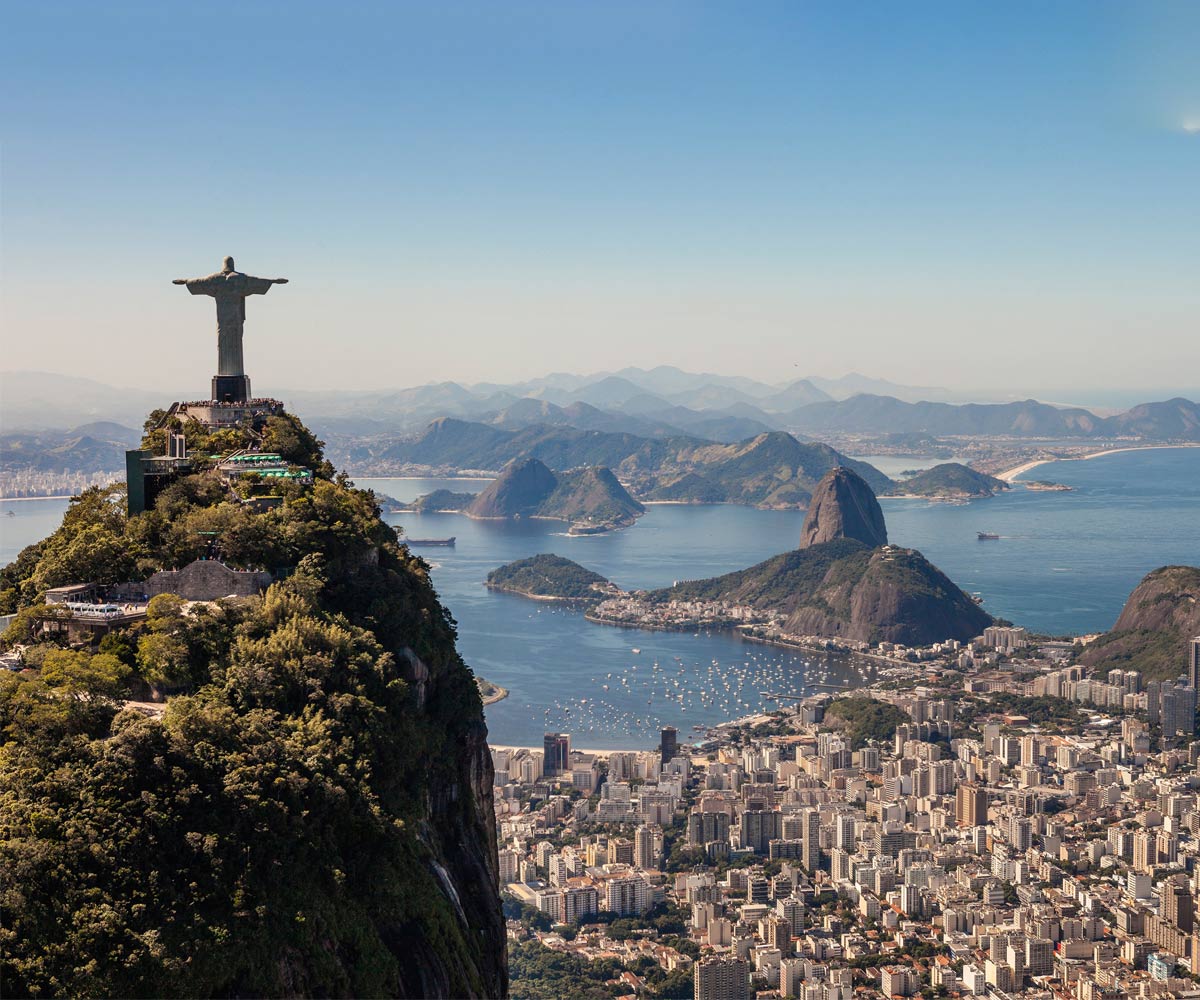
{"x":1010,"y":475}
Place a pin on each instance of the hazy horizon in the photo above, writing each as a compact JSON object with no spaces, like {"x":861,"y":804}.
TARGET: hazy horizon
{"x":982,"y":199}
{"x":1101,"y":399}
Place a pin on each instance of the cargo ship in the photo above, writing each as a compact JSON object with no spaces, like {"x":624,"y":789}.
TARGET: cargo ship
{"x":986,"y":536}
{"x":431,"y":541}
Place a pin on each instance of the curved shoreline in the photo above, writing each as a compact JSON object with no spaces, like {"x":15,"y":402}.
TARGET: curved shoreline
{"x":1010,"y":475}
{"x":500,"y":588}
{"x":498,"y":693}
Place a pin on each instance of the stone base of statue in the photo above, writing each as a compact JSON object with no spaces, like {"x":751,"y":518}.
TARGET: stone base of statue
{"x":216,"y":414}
{"x":231,"y":388}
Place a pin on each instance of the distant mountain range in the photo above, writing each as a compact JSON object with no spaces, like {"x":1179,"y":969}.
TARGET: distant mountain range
{"x":662,"y":402}
{"x":772,"y":469}
{"x":865,"y":414}
{"x":96,"y":447}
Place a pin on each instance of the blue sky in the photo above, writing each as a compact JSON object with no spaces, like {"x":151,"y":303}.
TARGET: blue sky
{"x":1002,"y":196}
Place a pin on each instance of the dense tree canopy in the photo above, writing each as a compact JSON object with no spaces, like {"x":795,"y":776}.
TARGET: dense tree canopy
{"x":279,"y":828}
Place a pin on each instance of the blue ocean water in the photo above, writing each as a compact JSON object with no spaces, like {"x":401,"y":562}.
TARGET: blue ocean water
{"x":1065,"y":562}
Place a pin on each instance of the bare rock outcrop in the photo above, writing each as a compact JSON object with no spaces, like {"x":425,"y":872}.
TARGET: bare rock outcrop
{"x":843,"y":506}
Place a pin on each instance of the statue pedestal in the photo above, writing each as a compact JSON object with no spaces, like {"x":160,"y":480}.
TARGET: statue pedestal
{"x":231,"y":388}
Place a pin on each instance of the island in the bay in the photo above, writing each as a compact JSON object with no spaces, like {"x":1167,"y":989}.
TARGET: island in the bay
{"x":241,"y":753}
{"x":950,"y":480}
{"x":549,"y":577}
{"x":591,"y":499}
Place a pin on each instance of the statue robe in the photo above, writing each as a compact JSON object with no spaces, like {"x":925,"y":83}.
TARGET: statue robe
{"x":230,"y":289}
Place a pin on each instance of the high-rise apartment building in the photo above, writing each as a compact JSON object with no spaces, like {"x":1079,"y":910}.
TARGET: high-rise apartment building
{"x":556,"y":749}
{"x":970,"y":805}
{"x":669,"y":743}
{"x":721,"y":979}
{"x":1176,"y":903}
{"x":811,"y":850}
{"x":645,"y":852}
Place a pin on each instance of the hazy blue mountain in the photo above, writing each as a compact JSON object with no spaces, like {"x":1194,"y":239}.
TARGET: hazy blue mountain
{"x":663,"y":396}
{"x":854,"y":384}
{"x":802,"y":392}
{"x":108,"y":430}
{"x":1172,"y":418}
{"x":44,"y":401}
{"x":457,"y":444}
{"x":872,"y":414}
{"x":666,"y":380}
{"x":95,"y":447}
{"x":711,"y":396}
{"x":725,"y":429}
{"x":770,"y":470}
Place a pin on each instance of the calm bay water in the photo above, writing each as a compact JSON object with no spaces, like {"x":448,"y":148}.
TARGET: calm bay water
{"x":1065,"y":563}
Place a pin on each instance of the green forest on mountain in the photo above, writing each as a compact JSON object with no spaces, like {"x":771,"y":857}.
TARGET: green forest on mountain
{"x":268,"y":832}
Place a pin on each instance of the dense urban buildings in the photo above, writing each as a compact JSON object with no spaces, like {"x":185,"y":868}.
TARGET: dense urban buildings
{"x":990,"y":823}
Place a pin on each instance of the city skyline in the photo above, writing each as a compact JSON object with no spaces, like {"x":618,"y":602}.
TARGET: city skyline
{"x":958,"y":197}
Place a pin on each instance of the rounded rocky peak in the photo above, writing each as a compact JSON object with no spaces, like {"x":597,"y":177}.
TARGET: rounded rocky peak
{"x":843,"y":506}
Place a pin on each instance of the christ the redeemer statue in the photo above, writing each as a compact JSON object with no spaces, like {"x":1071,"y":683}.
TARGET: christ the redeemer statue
{"x":230,"y":288}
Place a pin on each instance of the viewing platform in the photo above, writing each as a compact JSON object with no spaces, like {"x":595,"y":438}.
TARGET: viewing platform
{"x":214,"y":413}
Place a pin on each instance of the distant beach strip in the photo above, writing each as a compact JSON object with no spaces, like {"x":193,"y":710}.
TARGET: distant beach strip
{"x":1012,"y":474}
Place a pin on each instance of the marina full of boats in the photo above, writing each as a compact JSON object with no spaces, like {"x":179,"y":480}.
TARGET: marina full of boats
{"x":667,"y":688}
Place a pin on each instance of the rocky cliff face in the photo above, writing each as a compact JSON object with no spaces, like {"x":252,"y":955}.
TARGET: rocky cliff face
{"x":843,"y":506}
{"x":1152,"y":632}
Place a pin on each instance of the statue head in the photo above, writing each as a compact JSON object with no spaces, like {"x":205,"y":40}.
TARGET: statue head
{"x":227,"y":265}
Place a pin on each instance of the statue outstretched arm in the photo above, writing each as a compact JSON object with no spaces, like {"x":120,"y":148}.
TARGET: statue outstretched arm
{"x":198,"y":286}
{"x":260,"y":286}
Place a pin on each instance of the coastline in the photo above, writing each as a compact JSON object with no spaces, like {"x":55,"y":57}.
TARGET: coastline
{"x":1010,"y":475}
{"x":465,"y":479}
{"x":498,"y":693}
{"x":62,"y":496}
{"x":544,"y":598}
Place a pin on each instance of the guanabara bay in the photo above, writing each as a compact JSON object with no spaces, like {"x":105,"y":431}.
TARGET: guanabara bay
{"x":245,"y":758}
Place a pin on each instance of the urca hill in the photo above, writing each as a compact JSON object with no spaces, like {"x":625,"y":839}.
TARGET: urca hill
{"x":310,"y":811}
{"x":845,"y":580}
{"x":591,"y":499}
